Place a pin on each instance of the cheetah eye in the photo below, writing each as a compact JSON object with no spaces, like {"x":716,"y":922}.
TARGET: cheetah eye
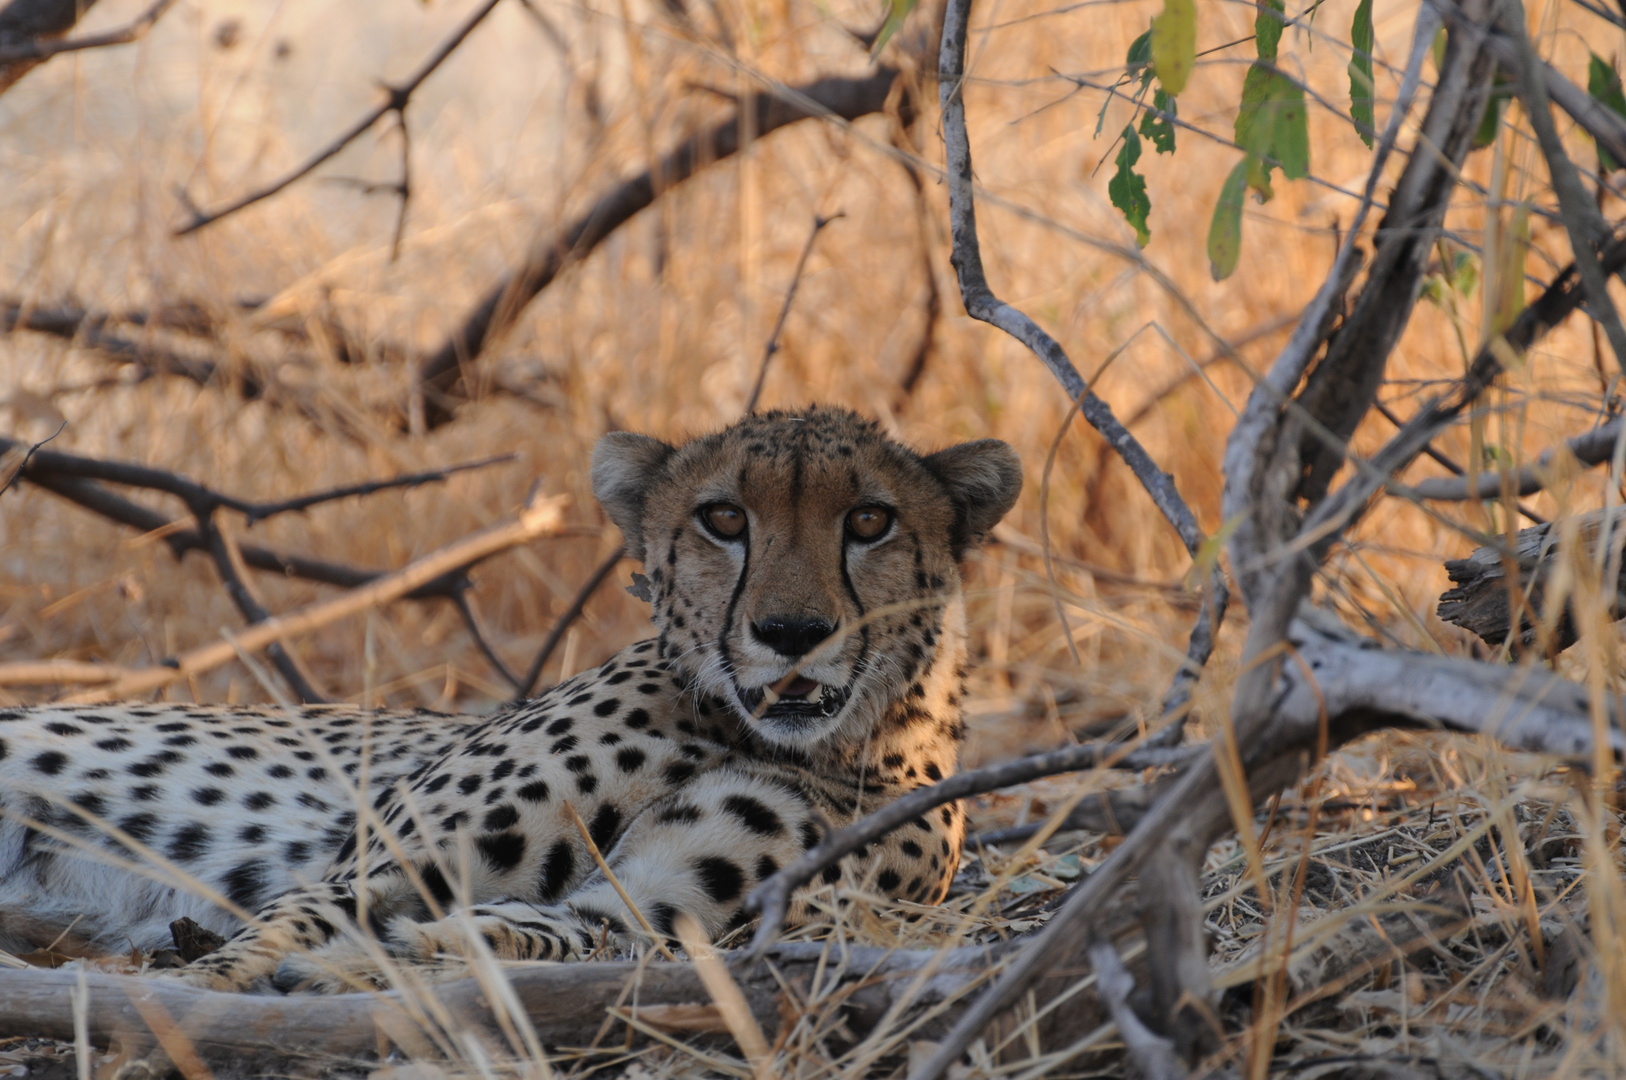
{"x":869,"y":522}
{"x":724,"y":520}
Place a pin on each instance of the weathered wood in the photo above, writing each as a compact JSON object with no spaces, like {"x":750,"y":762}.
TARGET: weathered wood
{"x":567,"y":1004}
{"x":1481,"y":597}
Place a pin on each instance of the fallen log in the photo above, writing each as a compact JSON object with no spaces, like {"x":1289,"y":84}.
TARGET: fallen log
{"x":1481,"y":596}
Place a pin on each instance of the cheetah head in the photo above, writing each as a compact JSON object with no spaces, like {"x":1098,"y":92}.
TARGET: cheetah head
{"x":804,"y":568}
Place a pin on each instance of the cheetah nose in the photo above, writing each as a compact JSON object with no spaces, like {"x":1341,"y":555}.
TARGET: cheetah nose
{"x":791,"y":635}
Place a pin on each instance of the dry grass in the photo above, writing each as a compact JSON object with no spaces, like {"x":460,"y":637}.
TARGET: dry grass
{"x":662,"y":329}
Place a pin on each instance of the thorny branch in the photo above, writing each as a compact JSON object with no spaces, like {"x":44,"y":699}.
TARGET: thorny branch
{"x":526,"y":683}
{"x":396,"y":99}
{"x":784,"y":310}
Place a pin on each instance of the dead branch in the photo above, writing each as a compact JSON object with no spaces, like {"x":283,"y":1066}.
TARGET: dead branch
{"x":1447,"y":464}
{"x":1582,"y":220}
{"x":26,"y":21}
{"x":39,"y":49}
{"x":396,"y":99}
{"x":1152,"y":1054}
{"x":568,"y":1004}
{"x":441,"y":373}
{"x":1111,"y":810}
{"x":541,"y":517}
{"x":1592,"y":448}
{"x":1480,"y":597}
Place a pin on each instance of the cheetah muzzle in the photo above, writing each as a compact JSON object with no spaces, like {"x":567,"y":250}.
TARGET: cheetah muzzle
{"x":809,"y":665}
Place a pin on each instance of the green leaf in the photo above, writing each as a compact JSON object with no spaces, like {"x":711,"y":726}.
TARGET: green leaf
{"x":1273,"y":125}
{"x":1360,"y":72}
{"x":1603,"y":83}
{"x":1491,"y":119}
{"x":1127,"y":188}
{"x":1174,"y":44}
{"x":1160,"y":129}
{"x":1225,"y":230}
{"x":1137,"y":61}
{"x":896,"y":12}
{"x":1267,"y":27}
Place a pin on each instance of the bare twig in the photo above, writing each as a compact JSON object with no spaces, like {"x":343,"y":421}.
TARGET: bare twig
{"x":1592,"y":448}
{"x":1582,"y":220}
{"x":44,"y":49}
{"x":396,"y":99}
{"x":1152,"y":1054}
{"x":1447,"y":464}
{"x":572,"y":613}
{"x":500,"y":307}
{"x":784,"y":309}
{"x":465,"y":608}
{"x":7,"y":446}
{"x":772,"y":897}
{"x":543,"y":517}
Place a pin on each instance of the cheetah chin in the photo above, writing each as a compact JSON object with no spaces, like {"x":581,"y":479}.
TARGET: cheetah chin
{"x":803,"y":571}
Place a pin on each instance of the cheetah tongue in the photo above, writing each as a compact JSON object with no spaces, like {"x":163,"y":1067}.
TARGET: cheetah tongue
{"x":801,"y":687}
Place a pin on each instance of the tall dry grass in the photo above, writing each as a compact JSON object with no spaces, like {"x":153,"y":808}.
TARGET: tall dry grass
{"x":662,"y":329}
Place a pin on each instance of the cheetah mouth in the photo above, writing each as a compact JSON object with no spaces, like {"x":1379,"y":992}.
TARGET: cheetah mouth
{"x":799,"y":699}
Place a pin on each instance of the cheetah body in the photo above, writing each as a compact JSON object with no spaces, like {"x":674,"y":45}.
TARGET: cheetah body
{"x":808,"y":669}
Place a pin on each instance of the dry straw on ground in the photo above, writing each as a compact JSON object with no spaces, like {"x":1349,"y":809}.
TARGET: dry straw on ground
{"x":1444,"y":899}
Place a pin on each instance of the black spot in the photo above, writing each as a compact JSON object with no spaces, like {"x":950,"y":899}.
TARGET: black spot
{"x":933,"y":771}
{"x":50,"y":762}
{"x":259,"y":800}
{"x":437,"y":783}
{"x":435,"y":882}
{"x":243,"y":753}
{"x":534,"y":792}
{"x":606,"y":707}
{"x":609,"y":738}
{"x":139,"y":826}
{"x":504,"y":767}
{"x":219,"y":768}
{"x":502,"y":851}
{"x":57,"y":727}
{"x":296,"y":852}
{"x":910,"y":848}
{"x":579,"y":699}
{"x":502,"y":817}
{"x":810,"y":835}
{"x":347,"y":849}
{"x":661,"y":917}
{"x":629,"y":759}
{"x":766,"y":867}
{"x":564,"y":745}
{"x":888,"y":881}
{"x":115,"y":743}
{"x":618,"y":678}
{"x":892,"y":761}
{"x":469,"y":784}
{"x":682,"y":813}
{"x":560,"y":726}
{"x":451,"y":821}
{"x":91,"y":803}
{"x":189,"y":842}
{"x":754,"y":815}
{"x":720,"y":878}
{"x":556,"y":870}
{"x":947,"y":814}
{"x":207,"y":796}
{"x":679,"y":772}
{"x":831,"y":874}
{"x":251,"y":834}
{"x":244,"y":883}
{"x":316,"y":773}
{"x":279,"y":772}
{"x":637,"y":718}
{"x":586,"y":782}
{"x":605,"y":824}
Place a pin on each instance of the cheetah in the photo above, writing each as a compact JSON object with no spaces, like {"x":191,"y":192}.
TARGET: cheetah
{"x":809,"y":665}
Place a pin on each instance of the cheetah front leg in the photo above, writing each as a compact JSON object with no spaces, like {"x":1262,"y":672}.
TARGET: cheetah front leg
{"x":699,"y":851}
{"x":310,"y":917}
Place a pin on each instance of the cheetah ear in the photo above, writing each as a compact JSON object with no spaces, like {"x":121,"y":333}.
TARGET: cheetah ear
{"x":624,"y":467}
{"x":983,"y":478}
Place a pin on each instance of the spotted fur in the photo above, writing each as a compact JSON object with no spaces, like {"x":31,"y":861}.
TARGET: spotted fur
{"x":805,"y":673}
